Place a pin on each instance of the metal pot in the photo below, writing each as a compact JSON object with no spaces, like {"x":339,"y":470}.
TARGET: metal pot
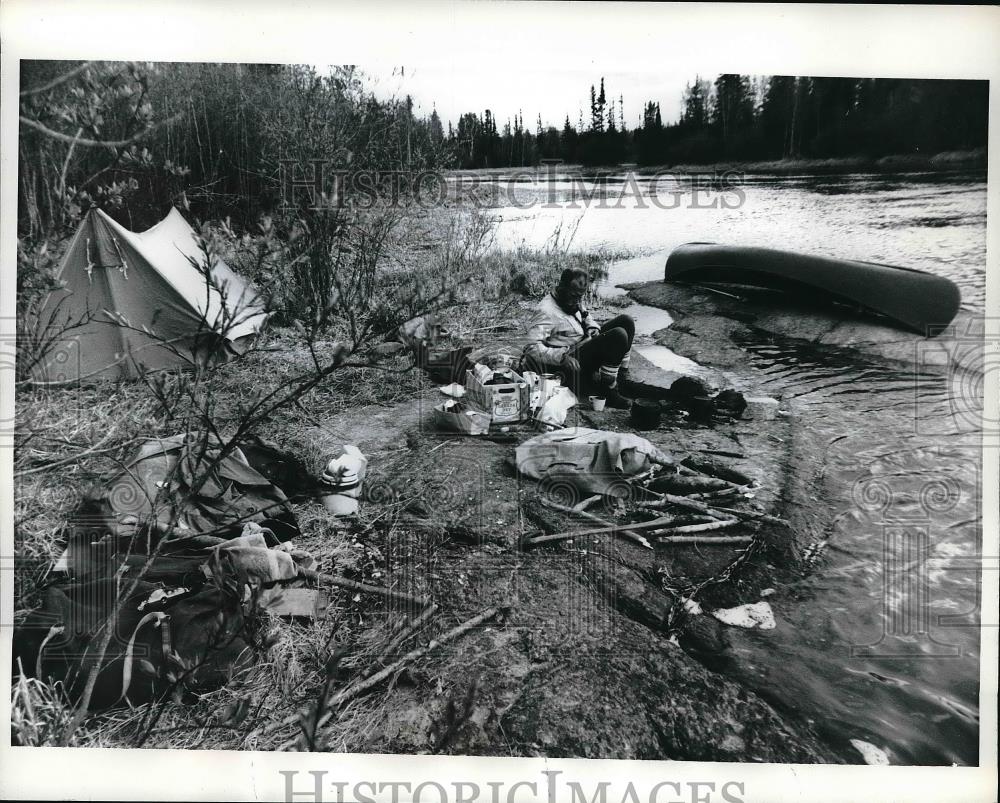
{"x":645,"y":414}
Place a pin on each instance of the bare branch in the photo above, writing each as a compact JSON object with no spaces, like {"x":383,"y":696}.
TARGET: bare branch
{"x":61,"y":79}
{"x":95,"y":143}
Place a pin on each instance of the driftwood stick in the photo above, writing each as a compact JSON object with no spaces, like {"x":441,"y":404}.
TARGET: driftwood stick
{"x":362,"y":686}
{"x":714,"y":494}
{"x":408,"y":631}
{"x":721,"y":513}
{"x":715,"y":469}
{"x":580,"y":506}
{"x":692,"y":472}
{"x":625,"y":533}
{"x":645,"y":475}
{"x":351,"y":585}
{"x":691,"y":504}
{"x":752,"y":514}
{"x":548,"y":539}
{"x":723,"y":453}
{"x":702,"y":528}
{"x":719,"y":540}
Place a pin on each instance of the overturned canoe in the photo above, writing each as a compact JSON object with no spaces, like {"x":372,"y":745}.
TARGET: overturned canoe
{"x":916,"y":300}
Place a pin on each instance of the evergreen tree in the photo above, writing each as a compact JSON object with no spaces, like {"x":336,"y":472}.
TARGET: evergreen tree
{"x":732,"y":112}
{"x":601,"y":103}
{"x":435,"y":129}
{"x":696,"y":104}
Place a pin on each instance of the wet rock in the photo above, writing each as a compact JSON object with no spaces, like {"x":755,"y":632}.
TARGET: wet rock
{"x":704,"y":636}
{"x":730,"y":403}
{"x":688,"y":387}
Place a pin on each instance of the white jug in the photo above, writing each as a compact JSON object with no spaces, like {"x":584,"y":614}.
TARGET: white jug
{"x":344,"y":476}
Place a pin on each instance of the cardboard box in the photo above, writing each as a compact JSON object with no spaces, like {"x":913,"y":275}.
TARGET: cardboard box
{"x":506,"y":403}
{"x":461,"y":416}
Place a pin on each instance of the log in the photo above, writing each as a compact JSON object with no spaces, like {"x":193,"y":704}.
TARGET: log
{"x":587,"y":502}
{"x":683,"y":485}
{"x":688,"y":471}
{"x":721,"y":513}
{"x":714,"y":468}
{"x":713,"y":494}
{"x":407,"y":631}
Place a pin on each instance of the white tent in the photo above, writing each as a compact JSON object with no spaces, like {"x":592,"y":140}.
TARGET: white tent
{"x":144,"y":303}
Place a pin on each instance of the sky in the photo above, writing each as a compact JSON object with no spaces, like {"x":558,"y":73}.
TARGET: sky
{"x":551,"y":92}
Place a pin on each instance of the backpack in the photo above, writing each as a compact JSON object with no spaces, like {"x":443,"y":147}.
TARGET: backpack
{"x":166,"y":639}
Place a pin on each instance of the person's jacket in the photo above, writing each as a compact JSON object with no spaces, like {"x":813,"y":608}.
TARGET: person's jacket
{"x":552,"y":331}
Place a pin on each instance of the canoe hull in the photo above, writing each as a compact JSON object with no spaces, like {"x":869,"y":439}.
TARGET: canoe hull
{"x":911,"y":299}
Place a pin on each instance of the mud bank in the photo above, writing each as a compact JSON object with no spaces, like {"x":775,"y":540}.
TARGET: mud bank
{"x":595,"y":654}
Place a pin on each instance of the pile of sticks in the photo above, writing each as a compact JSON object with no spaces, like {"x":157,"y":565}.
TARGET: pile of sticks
{"x":668,"y":529}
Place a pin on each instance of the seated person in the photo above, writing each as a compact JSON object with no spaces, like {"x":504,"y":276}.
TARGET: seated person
{"x":563,"y":339}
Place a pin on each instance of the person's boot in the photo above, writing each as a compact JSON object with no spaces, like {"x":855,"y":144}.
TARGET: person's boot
{"x":625,"y":384}
{"x":613,"y":398}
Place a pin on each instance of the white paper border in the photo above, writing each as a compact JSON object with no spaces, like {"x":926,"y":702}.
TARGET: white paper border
{"x":801,"y":39}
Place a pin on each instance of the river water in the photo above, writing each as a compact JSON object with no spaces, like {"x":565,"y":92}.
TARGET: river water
{"x":879,"y":640}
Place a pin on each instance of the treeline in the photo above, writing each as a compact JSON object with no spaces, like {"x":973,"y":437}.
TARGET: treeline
{"x":748,"y":118}
{"x":136,"y":139}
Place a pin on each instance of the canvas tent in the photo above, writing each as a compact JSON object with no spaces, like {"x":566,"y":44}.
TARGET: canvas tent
{"x":144,"y":304}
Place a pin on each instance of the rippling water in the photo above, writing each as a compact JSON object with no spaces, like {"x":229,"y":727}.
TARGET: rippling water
{"x":880,"y":640}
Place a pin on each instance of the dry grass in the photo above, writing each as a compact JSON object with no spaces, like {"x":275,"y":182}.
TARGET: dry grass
{"x":40,"y":712}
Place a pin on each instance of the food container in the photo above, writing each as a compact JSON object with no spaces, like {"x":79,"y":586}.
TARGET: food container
{"x":343,"y":480}
{"x":506,"y":402}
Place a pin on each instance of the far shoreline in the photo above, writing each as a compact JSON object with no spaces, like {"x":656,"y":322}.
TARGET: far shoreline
{"x":945,"y":162}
